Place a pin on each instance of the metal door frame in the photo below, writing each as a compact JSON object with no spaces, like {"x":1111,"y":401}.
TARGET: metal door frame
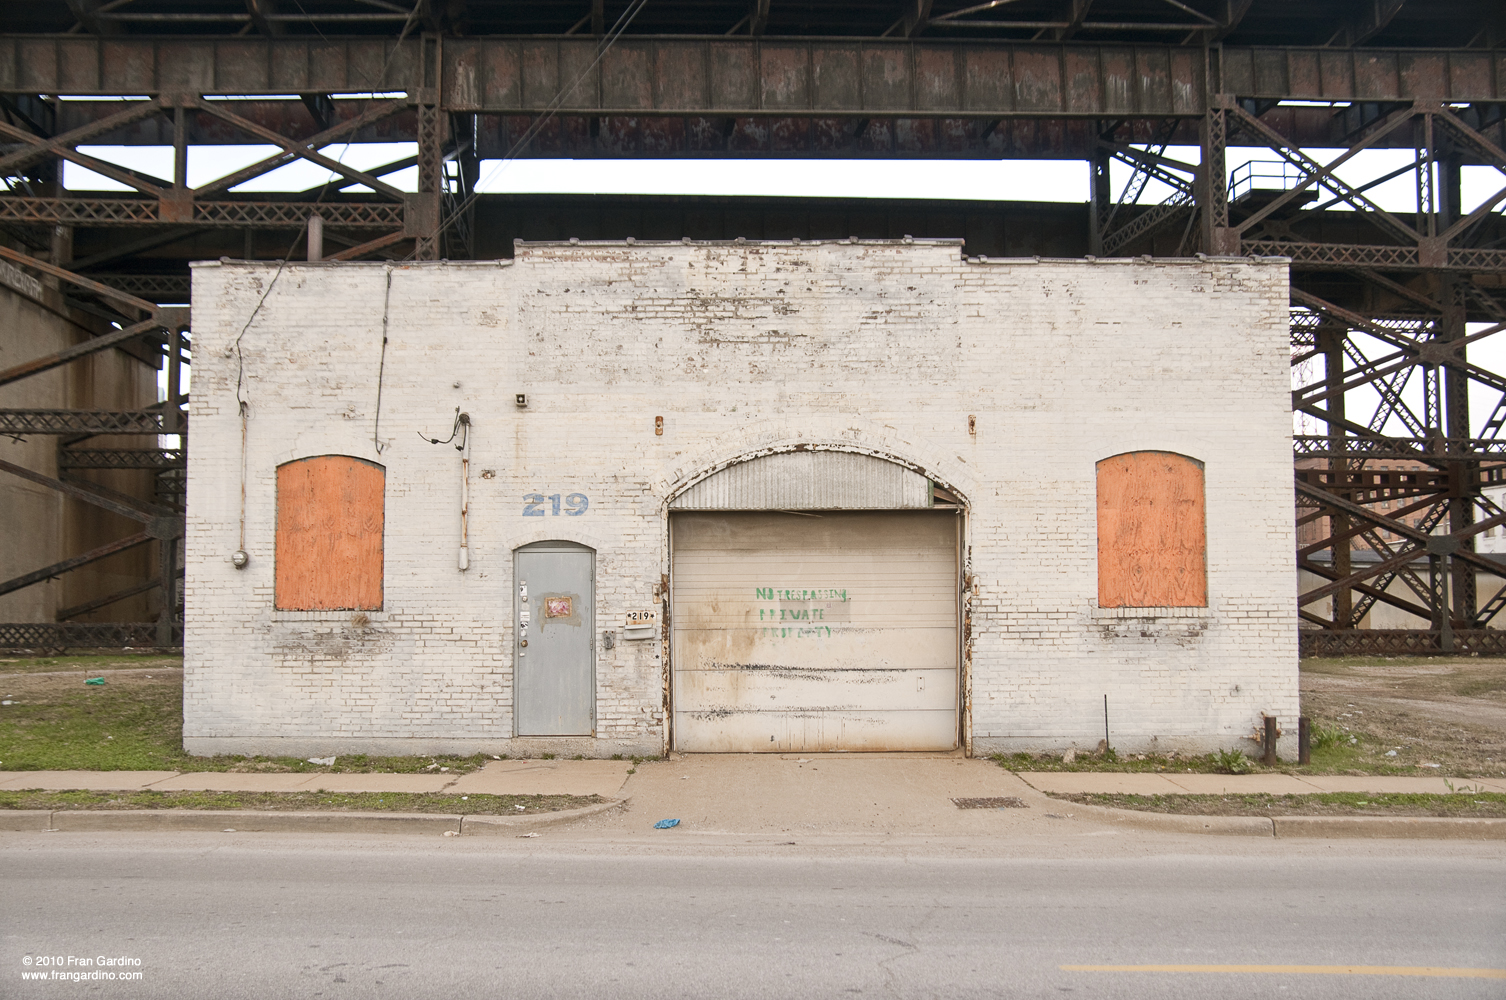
{"x":553,"y":545}
{"x":964,"y":628}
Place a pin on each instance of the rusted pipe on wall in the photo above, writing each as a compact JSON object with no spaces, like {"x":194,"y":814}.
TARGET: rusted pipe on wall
{"x":464,"y":561}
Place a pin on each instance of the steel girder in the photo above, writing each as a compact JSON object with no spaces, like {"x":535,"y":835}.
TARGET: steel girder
{"x":733,"y":77}
{"x":783,"y":135}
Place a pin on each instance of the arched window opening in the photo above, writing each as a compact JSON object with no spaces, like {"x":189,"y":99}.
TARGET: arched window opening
{"x":1152,"y":531}
{"x":331,"y":511}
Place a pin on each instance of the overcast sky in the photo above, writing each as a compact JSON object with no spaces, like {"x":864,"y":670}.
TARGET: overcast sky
{"x":1005,"y":180}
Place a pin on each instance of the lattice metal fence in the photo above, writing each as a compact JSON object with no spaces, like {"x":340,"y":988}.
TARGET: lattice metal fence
{"x":83,"y":635}
{"x":146,"y":211}
{"x":1401,"y":642}
{"x":122,"y":458}
{"x":1343,"y":255}
{"x":81,"y":422}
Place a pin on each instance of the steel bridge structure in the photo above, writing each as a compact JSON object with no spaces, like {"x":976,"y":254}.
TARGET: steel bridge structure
{"x":1389,"y":495}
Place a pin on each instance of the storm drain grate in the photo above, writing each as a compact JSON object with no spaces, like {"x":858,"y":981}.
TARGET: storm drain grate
{"x":996,"y":802}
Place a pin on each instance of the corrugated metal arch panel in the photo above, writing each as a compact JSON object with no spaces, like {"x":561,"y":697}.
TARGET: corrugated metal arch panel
{"x":810,"y":480}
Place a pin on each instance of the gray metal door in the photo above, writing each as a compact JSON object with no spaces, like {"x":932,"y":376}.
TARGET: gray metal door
{"x":554,"y":652}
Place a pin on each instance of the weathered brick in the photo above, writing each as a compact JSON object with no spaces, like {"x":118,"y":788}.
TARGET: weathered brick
{"x":883,"y":347}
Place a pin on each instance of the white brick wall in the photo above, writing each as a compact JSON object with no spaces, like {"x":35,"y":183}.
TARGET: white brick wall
{"x":884,"y":347}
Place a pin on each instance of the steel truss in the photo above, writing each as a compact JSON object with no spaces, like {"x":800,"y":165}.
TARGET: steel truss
{"x":140,"y":325}
{"x":1390,"y":464}
{"x":1391,"y":469}
{"x":385,"y":221}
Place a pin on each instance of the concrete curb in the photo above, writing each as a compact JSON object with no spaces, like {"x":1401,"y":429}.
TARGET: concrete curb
{"x":251,"y":821}
{"x":25,"y":819}
{"x":1349,"y":827}
{"x":1418,"y":827}
{"x":248,"y":821}
{"x":1228,"y":826}
{"x":503,"y":826}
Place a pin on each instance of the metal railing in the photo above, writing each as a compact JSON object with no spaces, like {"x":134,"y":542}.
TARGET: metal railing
{"x":1263,"y":175}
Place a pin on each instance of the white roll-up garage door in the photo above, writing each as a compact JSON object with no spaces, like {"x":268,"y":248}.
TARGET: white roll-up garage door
{"x":815,"y":631}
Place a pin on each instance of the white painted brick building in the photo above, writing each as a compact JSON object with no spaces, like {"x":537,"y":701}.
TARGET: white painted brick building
{"x":1002,"y":383}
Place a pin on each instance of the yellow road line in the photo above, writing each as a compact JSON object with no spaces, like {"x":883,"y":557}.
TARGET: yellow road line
{"x":1310,"y":970}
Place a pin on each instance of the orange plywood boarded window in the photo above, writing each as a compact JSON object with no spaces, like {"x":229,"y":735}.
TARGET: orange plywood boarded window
{"x":330,"y":512}
{"x":1152,"y":532}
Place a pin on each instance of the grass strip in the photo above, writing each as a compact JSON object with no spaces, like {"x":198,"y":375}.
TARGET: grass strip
{"x":1364,"y":756}
{"x":1113,"y":762}
{"x":1463,"y":803}
{"x":134,"y":722}
{"x":398,"y":802}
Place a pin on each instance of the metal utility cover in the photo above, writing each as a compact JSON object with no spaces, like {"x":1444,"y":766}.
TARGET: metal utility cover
{"x":815,"y":632}
{"x":555,"y":674}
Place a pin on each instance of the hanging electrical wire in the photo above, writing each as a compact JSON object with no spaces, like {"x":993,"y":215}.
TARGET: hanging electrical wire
{"x":240,"y":558}
{"x":461,"y":420}
{"x":461,"y":428}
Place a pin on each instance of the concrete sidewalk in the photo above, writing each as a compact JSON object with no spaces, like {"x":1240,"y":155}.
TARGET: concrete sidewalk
{"x":855,"y":777}
{"x":788,"y":795}
{"x":499,"y":777}
{"x":1169,"y":783}
{"x":869,"y":798}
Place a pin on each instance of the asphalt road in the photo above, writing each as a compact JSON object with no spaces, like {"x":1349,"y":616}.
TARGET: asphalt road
{"x":264,"y":916}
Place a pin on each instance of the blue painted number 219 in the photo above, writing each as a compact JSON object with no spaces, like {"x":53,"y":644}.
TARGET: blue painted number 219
{"x":576,"y":504}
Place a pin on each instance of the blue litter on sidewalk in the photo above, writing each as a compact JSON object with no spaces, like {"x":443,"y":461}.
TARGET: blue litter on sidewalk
{"x":665,"y":824}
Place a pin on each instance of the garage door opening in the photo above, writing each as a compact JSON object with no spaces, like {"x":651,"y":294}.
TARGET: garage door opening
{"x":809,"y":630}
